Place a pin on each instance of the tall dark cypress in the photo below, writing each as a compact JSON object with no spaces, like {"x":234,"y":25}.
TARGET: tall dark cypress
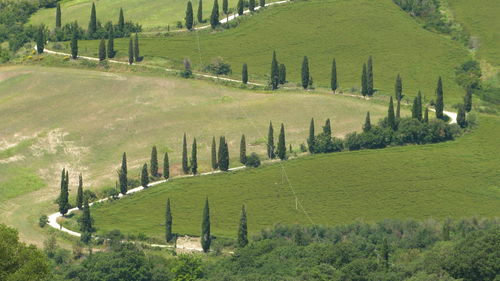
{"x":189,"y":16}
{"x":364,"y":81}
{"x":419,"y":106}
{"x":130,"y":52}
{"x":251,"y":5}
{"x":270,"y":142}
{"x":92,"y":22}
{"x":40,"y":39}
{"x":369,"y":76}
{"x":144,"y":176}
{"x":86,"y":222}
{"x":414,"y":109}
{"x":282,"y":143}
{"x":185,"y":167}
{"x":439,"y":100}
{"x":282,"y":74}
{"x":262,"y":3}
{"x":63,"y":195}
{"x":398,"y":109}
{"x":391,"y":119}
{"x":58,"y":15}
{"x":334,"y":83}
{"x":368,"y":124}
{"x":200,"y":11}
{"x":398,"y":88}
{"x":274,"y":72}
{"x":214,"y":18}
{"x":225,"y":7}
{"x":468,"y":100}
{"x":221,"y":151}
{"x":74,"y":46}
{"x":111,"y":42}
{"x":206,"y":238}
{"x":243,"y":150}
{"x":79,"y":193}
{"x":305,"y":73}
{"x":153,"y":163}
{"x":102,"y":50}
{"x":137,"y":56}
{"x":215,"y":162}
{"x":426,"y":115}
{"x":122,"y":175}
{"x":311,"y":140}
{"x":121,"y":22}
{"x":166,"y":166}
{"x":168,"y":223}
{"x":240,"y":7}
{"x":243,"y":229}
{"x":461,"y":116}
{"x":223,"y":155}
{"x":244,"y":74}
{"x":194,"y":158}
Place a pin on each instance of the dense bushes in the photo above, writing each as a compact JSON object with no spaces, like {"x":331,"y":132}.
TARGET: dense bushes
{"x":13,"y":16}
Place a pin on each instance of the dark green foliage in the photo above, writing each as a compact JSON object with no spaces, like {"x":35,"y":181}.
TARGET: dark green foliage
{"x":398,"y":109}
{"x":468,"y":75}
{"x":218,"y":67}
{"x":426,"y":115}
{"x":274,"y":72}
{"x":200,"y":11}
{"x":364,"y":81}
{"x":121,"y":22}
{"x":305,"y":73}
{"x":194,"y":158}
{"x":251,"y":5}
{"x":92,"y":22}
{"x":446,"y":231}
{"x":214,"y":18}
{"x":154,"y":162}
{"x":79,"y":193}
{"x":270,"y":142}
{"x":130,"y":51}
{"x":102,"y":50}
{"x":58,"y":16}
{"x":324,"y":143}
{"x":281,"y":149}
{"x":185,"y":166}
{"x":189,"y":16}
{"x":369,"y":77}
{"x":334,"y":82}
{"x":223,"y":155}
{"x":417,"y":112}
{"x":243,"y":150}
{"x":468,"y":100}
{"x":311,"y":140}
{"x":439,"y":100}
{"x":225,"y":6}
{"x":253,"y":160}
{"x":243,"y":229}
{"x":240,"y":7}
{"x":262,"y":3}
{"x":144,"y":176}
{"x":63,"y":200}
{"x":391,"y":119}
{"x":368,"y":125}
{"x":398,"y":88}
{"x":111,"y":43}
{"x":40,"y":39}
{"x":461,"y":116}
{"x":74,"y":47}
{"x":86,"y":222}
{"x":166,"y":166}
{"x":137,"y":56}
{"x":282,"y":74}
{"x":244,"y":74}
{"x":385,"y":253}
{"x":206,"y":238}
{"x":122,"y":175}
{"x":215,"y":162}
{"x":168,"y":223}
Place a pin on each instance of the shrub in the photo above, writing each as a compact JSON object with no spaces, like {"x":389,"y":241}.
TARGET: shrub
{"x":218,"y":67}
{"x":43,"y":220}
{"x":253,"y":160}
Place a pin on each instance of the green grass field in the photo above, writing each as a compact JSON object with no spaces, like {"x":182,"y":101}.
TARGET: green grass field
{"x":453,"y":179}
{"x":350,"y":31}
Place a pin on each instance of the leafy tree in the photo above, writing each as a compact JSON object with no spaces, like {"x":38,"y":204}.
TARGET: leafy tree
{"x":281,"y":143}
{"x":79,"y":193}
{"x":385,"y":252}
{"x":253,"y":160}
{"x":121,"y":22}
{"x":243,"y":150}
{"x":86,"y":222}
{"x":189,"y":16}
{"x":185,"y":167}
{"x":130,"y":52}
{"x":468,"y":100}
{"x":74,"y":46}
{"x":154,"y":162}
{"x":262,"y":3}
{"x":215,"y":163}
{"x":240,"y":7}
{"x":187,"y":268}
{"x":122,"y":175}
{"x":334,"y":83}
{"x":144,"y":176}
{"x":206,"y":239}
{"x":439,"y":100}
{"x":364,"y":81}
{"x":244,"y":74}
{"x":369,"y":77}
{"x":243,"y":229}
{"x":194,"y":158}
{"x":166,"y":166}
{"x":274,"y":72}
{"x":58,"y":15}
{"x":225,"y":6}
{"x":40,"y":39}
{"x":102,"y":50}
{"x":63,"y":200}
{"x":426,"y":115}
{"x":251,"y":5}
{"x":391,"y":119}
{"x":92,"y":22}
{"x":282,"y":74}
{"x":311,"y":140}
{"x":368,"y":125}
{"x":270,"y":142}
{"x":200,"y":11}
{"x":214,"y":18}
{"x":305,"y":73}
{"x":168,"y":223}
{"x":111,"y":43}
{"x":137,"y":56}
{"x":461,"y":116}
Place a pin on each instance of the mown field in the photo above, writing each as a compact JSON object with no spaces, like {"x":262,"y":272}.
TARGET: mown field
{"x":453,"y":179}
{"x":350,"y":31}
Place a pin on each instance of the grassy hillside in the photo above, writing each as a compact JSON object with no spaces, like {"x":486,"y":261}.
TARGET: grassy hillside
{"x":347,"y":30}
{"x":480,"y":18}
{"x":453,"y":179}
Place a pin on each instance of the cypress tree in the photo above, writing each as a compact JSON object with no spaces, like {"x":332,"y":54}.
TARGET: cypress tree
{"x":305,"y":72}
{"x":282,"y":74}
{"x":144,"y":176}
{"x":311,"y":140}
{"x":369,"y":77}
{"x":221,"y":151}
{"x":168,"y":223}
{"x":124,"y":163}
{"x":282,"y":144}
{"x":79,"y":193}
{"x":274,"y":72}
{"x":426,"y":115}
{"x":189,"y":16}
{"x":270,"y":142}
{"x":327,"y":129}
{"x":223,"y":155}
{"x":58,"y":15}
{"x":63,"y":196}
{"x":102,"y":50}
{"x":93,"y":22}
{"x":225,"y":7}
{"x":74,"y":46}
{"x":243,"y":150}
{"x":398,"y":109}
{"x":215,"y":163}
{"x":194,"y":158}
{"x":262,"y":3}
{"x":40,"y":39}
{"x":166,"y":166}
{"x":200,"y":11}
{"x":86,"y":222}
{"x":414,"y":109}
{"x":240,"y":7}
{"x":439,"y":100}
{"x":391,"y":119}
{"x":334,"y":83}
{"x":468,"y":100}
{"x":244,"y":74}
{"x":461,"y":116}
{"x":251,"y":5}
{"x":111,"y":43}
{"x":130,"y":52}
{"x":368,"y":124}
{"x":137,"y":56}
{"x":243,"y":229}
{"x":185,"y":167}
{"x":121,"y":22}
{"x":419,"y":106}
{"x":214,"y":18}
{"x":154,"y":162}
{"x":206,"y":239}
{"x":122,"y":175}
{"x":398,"y":88}
{"x":364,"y":81}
